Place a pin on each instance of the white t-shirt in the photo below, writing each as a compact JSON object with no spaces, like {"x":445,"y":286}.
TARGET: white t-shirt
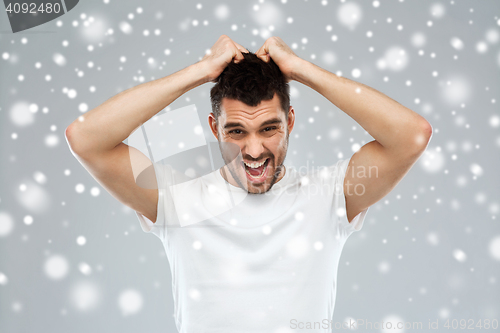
{"x":258,"y":262}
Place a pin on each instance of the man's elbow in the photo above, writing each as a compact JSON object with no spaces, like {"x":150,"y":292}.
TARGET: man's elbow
{"x":70,"y":138}
{"x":68,"y":133}
{"x":423,"y":136}
{"x":75,"y":143}
{"x":427,"y":132}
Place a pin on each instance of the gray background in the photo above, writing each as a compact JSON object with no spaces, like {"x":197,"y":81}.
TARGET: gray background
{"x":428,"y":251}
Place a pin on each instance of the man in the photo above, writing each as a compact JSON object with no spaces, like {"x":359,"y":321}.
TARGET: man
{"x":269,"y":262}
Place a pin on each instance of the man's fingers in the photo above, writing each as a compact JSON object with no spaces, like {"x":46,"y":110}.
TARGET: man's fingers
{"x":262,"y":53}
{"x":259,"y":51}
{"x":238,"y":57}
{"x":241,"y":48}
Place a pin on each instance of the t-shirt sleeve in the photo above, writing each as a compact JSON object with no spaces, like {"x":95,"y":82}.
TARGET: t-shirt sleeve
{"x":166,"y":176}
{"x":340,"y":170}
{"x":159,"y":227}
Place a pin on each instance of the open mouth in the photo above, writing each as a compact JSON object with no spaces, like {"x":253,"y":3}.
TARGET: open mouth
{"x":256,"y":171}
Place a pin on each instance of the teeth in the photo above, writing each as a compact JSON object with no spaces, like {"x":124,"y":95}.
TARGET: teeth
{"x":255,"y":165}
{"x":256,"y":177}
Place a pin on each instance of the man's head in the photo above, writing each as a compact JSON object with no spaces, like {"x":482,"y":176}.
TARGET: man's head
{"x":251,"y":108}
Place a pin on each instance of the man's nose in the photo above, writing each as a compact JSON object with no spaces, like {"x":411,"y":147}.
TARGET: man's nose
{"x":254,"y":147}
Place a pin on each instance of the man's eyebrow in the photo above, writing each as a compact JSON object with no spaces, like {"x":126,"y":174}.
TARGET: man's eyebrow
{"x":267,"y":122}
{"x":271,"y":121}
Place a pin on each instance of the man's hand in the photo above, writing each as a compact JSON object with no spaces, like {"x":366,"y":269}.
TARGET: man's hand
{"x":220,"y":55}
{"x":282,"y":55}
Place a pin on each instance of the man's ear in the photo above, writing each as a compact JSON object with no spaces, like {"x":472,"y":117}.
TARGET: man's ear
{"x":291,"y":119}
{"x":213,"y":124}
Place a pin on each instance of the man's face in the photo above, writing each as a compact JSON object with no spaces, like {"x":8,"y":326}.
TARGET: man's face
{"x":261,"y":133}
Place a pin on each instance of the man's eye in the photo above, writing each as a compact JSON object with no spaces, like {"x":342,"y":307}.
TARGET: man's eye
{"x":267,"y":129}
{"x":236,"y":131}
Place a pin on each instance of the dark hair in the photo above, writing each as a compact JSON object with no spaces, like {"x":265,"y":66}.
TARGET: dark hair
{"x":250,"y":81}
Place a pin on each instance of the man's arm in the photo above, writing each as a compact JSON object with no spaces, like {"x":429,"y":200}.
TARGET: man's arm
{"x":401,"y":135}
{"x":104,"y":127}
{"x":96,"y":137}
